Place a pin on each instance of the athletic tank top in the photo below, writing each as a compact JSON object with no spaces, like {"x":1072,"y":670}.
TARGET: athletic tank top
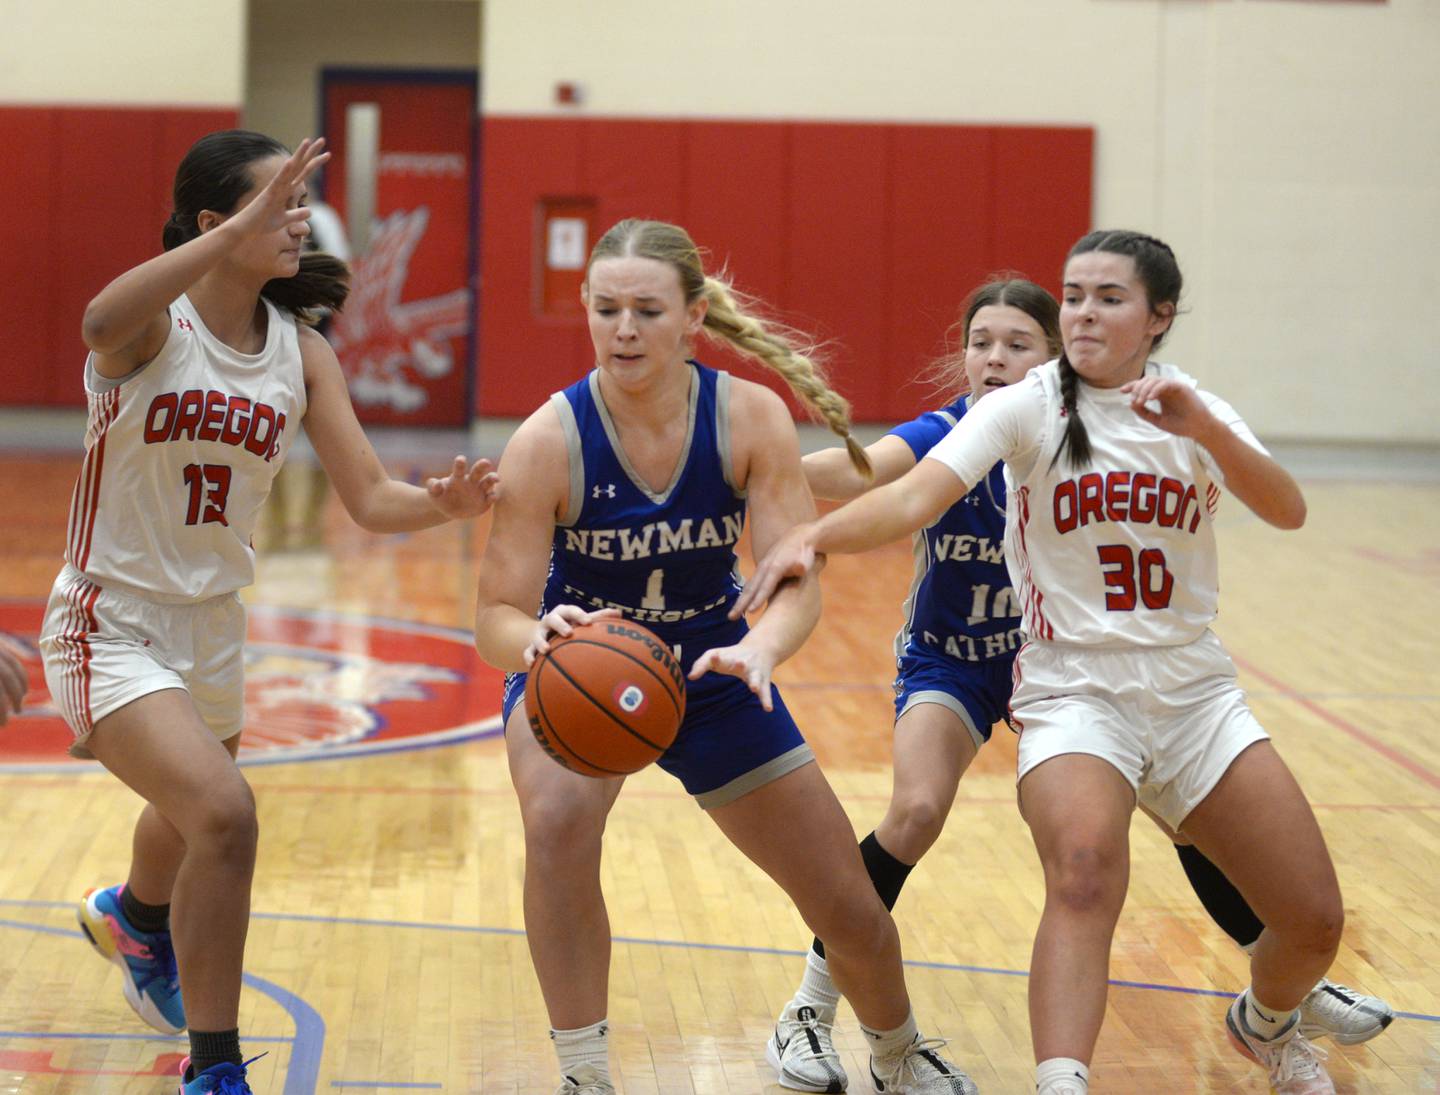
{"x":665,"y":559}
{"x":179,"y":456}
{"x":1120,"y":552}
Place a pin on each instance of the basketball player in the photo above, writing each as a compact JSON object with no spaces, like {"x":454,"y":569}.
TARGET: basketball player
{"x":954,"y":657}
{"x":637,"y":481}
{"x":200,"y":370}
{"x":1113,"y":465}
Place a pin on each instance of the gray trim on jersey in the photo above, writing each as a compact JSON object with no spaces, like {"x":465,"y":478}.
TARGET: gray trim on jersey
{"x":950,"y":703}
{"x":768,"y":772}
{"x":575,"y":459}
{"x":619,"y":450}
{"x":722,"y":432}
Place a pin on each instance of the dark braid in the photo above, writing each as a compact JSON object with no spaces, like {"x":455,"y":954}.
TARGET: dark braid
{"x":1159,"y":273}
{"x":1076,"y":438}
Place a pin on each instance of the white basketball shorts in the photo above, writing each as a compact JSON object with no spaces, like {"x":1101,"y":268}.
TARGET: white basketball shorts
{"x":1170,"y":719}
{"x":103,"y":649}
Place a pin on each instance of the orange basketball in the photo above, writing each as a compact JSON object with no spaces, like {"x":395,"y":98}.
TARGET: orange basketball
{"x":607,"y":700}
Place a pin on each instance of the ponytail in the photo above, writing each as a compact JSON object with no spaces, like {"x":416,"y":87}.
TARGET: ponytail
{"x":1076,"y":438}
{"x":785,"y":351}
{"x":729,"y":318}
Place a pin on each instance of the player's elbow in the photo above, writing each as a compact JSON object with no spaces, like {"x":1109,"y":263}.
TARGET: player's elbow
{"x":1293,"y":516}
{"x":99,"y":330}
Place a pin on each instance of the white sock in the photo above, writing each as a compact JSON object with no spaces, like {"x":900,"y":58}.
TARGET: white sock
{"x":584,"y":1046}
{"x":1267,"y":1022}
{"x":816,"y":989}
{"x":887,"y":1046}
{"x":1061,"y":1076}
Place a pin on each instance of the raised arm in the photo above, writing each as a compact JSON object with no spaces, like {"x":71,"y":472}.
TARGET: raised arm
{"x":127,"y":322}
{"x":831,"y":474}
{"x":877,"y":517}
{"x":376,"y":502}
{"x":1253,"y":477}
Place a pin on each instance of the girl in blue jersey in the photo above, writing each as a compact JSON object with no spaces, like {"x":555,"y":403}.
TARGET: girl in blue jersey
{"x":954,"y":657}
{"x":636,"y":481}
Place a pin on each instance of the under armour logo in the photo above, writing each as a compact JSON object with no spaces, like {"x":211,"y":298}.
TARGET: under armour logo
{"x":184,"y":324}
{"x":608,"y":491}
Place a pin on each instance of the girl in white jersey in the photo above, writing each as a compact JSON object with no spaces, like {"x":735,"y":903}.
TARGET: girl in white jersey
{"x":198,"y":377}
{"x":1123,"y":695}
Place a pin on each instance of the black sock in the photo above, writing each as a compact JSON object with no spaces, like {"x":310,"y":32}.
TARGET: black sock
{"x":1220,"y":898}
{"x":143,"y":917}
{"x":213,"y":1047}
{"x":886,"y":872}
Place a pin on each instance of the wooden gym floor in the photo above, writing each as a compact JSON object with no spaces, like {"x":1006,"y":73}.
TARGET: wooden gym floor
{"x":387,"y":951}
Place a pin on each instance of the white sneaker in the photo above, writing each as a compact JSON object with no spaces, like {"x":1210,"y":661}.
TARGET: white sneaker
{"x":1292,"y":1062}
{"x":802,"y":1053}
{"x":1339,"y":1012}
{"x":920,"y":1070}
{"x":585,"y":1081}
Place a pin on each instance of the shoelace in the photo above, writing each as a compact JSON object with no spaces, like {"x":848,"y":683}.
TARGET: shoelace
{"x":822,"y":1046}
{"x":236,"y":1085}
{"x":162,"y":965}
{"x":1300,"y":1059}
{"x":914,"y":1053}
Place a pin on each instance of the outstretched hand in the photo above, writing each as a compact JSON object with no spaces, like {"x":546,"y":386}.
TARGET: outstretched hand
{"x":752,"y":666}
{"x":1177,"y":408}
{"x":270,"y":210}
{"x":793,"y":556}
{"x":468,"y":491}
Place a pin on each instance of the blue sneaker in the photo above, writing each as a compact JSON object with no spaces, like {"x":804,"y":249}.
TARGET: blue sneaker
{"x":222,"y":1079}
{"x":146,"y":960}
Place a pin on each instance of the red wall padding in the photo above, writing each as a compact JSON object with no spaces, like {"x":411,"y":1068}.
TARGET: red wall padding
{"x":866,"y":234}
{"x":83,"y":194}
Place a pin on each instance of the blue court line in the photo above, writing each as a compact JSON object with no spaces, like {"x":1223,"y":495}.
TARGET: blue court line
{"x":380,"y":1083}
{"x":303,"y":1071}
{"x":680,"y":944}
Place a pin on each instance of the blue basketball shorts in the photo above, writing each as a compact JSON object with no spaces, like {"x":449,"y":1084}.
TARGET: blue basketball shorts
{"x":727,"y":745}
{"x":978,"y":692}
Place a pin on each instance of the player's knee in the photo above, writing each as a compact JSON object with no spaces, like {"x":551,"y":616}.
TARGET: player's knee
{"x":1086,"y":879}
{"x":561,"y":826}
{"x":917,"y":819}
{"x":227,"y":825}
{"x":1315,"y":921}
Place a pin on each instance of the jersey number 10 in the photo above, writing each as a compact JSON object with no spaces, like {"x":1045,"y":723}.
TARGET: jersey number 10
{"x":1128,"y":578}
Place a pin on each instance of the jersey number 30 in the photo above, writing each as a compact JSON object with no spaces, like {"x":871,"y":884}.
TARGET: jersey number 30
{"x":209,"y":490}
{"x":1129,"y":579}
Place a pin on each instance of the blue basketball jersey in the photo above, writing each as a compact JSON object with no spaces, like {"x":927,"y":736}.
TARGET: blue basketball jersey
{"x":667,"y":559}
{"x":961,"y":603}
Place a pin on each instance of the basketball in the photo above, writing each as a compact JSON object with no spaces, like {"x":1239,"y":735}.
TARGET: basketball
{"x":606,"y":700}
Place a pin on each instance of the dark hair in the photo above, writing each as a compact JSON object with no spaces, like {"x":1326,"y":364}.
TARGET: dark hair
{"x":947,"y":373}
{"x":215,"y":174}
{"x":1159,"y":273}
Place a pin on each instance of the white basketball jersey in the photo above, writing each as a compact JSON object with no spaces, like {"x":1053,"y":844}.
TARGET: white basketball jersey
{"x":1119,"y":552}
{"x":179,"y":456}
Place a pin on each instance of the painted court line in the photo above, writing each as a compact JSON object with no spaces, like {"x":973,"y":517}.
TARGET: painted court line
{"x":679,"y":944}
{"x":1399,"y":759}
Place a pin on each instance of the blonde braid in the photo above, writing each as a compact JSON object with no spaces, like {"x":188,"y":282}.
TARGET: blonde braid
{"x":787,"y":352}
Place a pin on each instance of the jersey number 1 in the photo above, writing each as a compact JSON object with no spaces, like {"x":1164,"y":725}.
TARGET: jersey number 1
{"x":1128,"y":579}
{"x":209,"y":489}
